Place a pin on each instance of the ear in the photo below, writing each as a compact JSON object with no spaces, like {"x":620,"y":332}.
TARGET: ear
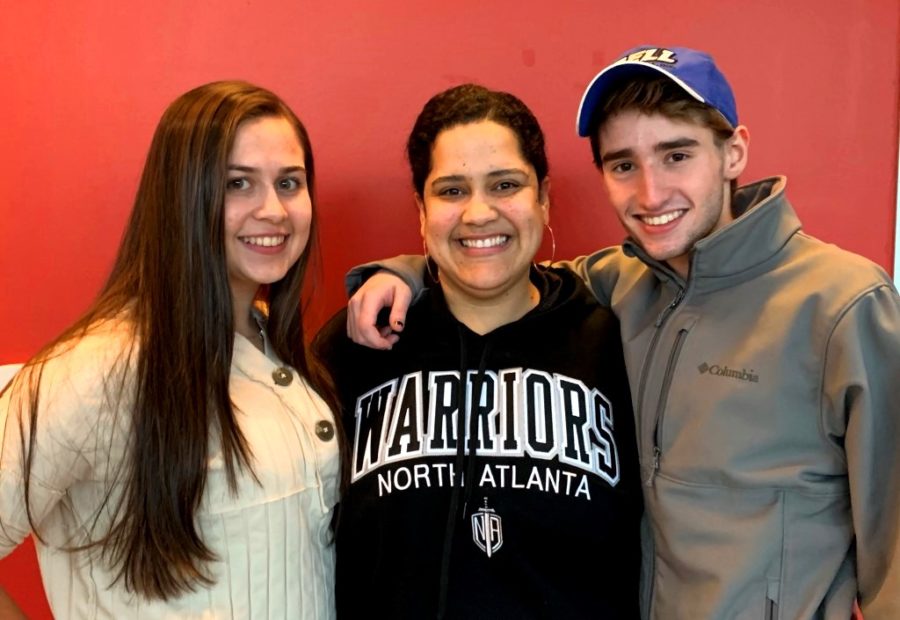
{"x":421,"y":205}
{"x":736,"y":152}
{"x":544,"y":199}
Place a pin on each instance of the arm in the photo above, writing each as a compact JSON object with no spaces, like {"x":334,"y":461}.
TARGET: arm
{"x":862,"y":368}
{"x":391,"y":283}
{"x":73,"y":397}
{"x":14,"y":526}
{"x":410,"y":268}
{"x":395,"y":282}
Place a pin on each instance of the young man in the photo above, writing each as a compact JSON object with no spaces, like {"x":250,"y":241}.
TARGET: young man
{"x":763,"y":363}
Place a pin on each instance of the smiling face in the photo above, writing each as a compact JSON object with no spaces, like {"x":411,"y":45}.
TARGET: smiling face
{"x":482,"y":212}
{"x":267,"y":209}
{"x":668,"y":181}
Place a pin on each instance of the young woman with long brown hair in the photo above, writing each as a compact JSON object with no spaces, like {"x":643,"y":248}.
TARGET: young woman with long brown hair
{"x":174,"y":451}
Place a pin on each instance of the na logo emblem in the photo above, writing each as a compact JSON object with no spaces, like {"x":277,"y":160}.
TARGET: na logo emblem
{"x":487,"y":530}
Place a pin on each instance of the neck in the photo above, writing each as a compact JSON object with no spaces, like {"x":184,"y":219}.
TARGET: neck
{"x":244,"y":324}
{"x":484,"y":315}
{"x":681,"y":265}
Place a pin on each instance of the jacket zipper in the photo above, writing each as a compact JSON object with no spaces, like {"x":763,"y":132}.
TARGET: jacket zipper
{"x":771,"y":609}
{"x":643,"y":385}
{"x":661,"y":405}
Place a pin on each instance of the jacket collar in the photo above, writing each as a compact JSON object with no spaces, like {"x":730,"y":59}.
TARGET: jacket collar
{"x":765,"y":222}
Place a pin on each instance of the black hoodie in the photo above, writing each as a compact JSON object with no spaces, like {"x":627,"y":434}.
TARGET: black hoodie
{"x":544,"y":521}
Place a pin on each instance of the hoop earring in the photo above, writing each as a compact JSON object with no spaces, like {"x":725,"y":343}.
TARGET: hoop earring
{"x":431,"y":274}
{"x":552,"y":243}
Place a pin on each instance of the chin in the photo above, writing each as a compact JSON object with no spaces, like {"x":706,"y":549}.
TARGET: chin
{"x":270,"y":278}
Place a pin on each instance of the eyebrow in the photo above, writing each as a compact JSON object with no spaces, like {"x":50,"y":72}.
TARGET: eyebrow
{"x":502,"y":173}
{"x":456,"y":178}
{"x":677,"y":143}
{"x":285,"y":170}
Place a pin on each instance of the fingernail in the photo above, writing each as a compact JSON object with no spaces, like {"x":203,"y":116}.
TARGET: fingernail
{"x":398,"y":323}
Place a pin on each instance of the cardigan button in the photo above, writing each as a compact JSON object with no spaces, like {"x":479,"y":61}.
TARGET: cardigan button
{"x":324,"y":430}
{"x":282,"y":376}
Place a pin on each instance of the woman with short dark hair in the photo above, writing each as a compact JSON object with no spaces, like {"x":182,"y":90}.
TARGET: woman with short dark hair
{"x":493,"y":469}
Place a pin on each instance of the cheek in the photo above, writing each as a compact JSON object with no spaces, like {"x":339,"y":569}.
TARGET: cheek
{"x":301,"y":215}
{"x":531,"y":218}
{"x":232,"y":217}
{"x":615,"y":190}
{"x":619,"y":199}
{"x":437,"y":225}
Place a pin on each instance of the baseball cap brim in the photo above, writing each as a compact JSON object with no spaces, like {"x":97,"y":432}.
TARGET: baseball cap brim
{"x":608,"y":78}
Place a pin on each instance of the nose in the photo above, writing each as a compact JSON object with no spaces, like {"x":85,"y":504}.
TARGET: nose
{"x":478,"y":210}
{"x":271,"y":207}
{"x":652,"y":190}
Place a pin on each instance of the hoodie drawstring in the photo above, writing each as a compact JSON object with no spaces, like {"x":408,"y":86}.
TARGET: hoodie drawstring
{"x":462,"y":421}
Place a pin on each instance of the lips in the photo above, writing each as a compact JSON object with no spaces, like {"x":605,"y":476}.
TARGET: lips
{"x":662,"y":219}
{"x":264,"y":241}
{"x":484,"y":243}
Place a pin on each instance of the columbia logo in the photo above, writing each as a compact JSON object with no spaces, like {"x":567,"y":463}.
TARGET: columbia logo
{"x":724,"y":371}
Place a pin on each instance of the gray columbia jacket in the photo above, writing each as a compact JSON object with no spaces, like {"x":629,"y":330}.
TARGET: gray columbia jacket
{"x":766,"y":389}
{"x":767,"y":394}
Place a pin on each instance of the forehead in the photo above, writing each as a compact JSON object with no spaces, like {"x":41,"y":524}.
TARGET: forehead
{"x":266,"y":135}
{"x":473,"y":146}
{"x":632,"y":128}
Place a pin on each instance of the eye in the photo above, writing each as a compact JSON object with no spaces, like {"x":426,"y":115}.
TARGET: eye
{"x":678,"y":157}
{"x":506,"y":186}
{"x":622,"y":167}
{"x":289,"y":184}
{"x":450,"y":192}
{"x":237,"y":184}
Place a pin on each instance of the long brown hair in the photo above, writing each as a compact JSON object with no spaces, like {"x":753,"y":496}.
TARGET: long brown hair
{"x":170,"y":280}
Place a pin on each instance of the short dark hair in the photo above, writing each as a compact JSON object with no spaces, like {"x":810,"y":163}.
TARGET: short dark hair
{"x":658,"y":95}
{"x":470,"y":103}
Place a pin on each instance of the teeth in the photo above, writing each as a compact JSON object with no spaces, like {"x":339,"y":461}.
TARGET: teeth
{"x":665,"y":218}
{"x":267,"y":242}
{"x":485,"y":243}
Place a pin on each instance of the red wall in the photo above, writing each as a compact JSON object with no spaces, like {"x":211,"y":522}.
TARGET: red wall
{"x":85,"y":83}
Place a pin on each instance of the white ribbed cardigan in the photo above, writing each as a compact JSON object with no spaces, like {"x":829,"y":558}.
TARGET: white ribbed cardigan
{"x":272,"y":539}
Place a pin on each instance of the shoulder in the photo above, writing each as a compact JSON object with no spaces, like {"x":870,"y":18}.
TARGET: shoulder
{"x":79,"y":380}
{"x":567,"y":293}
{"x":330,"y":343}
{"x":570,"y":315}
{"x":610,"y":272}
{"x":106,"y":349}
{"x":834,"y":272}
{"x":340,"y":356}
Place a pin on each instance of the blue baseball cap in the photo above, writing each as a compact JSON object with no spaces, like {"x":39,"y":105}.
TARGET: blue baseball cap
{"x":692,"y":70}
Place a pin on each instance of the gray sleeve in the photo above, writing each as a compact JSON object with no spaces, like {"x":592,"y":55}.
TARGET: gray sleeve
{"x":599,"y":270}
{"x":408,"y":267}
{"x":862,"y":386}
